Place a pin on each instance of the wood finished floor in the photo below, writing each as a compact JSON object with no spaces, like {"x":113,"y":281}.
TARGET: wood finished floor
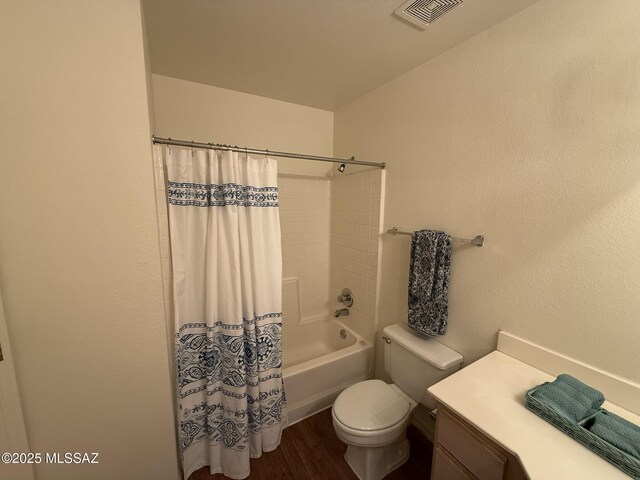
{"x":310,"y":450}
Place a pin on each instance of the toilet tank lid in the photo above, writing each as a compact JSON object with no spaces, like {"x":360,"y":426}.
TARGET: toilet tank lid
{"x":427,"y":348}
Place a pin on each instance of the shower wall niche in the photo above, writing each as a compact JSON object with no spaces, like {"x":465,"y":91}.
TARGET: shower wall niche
{"x":331,"y":229}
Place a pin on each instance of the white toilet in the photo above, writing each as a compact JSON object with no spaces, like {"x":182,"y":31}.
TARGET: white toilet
{"x":372,"y":416}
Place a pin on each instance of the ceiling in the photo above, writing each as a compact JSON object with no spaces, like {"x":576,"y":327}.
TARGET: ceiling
{"x":320,"y":53}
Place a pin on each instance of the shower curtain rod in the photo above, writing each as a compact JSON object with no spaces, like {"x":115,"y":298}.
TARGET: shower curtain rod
{"x":217,"y":146}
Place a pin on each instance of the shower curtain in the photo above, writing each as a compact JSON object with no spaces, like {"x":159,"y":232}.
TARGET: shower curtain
{"x":227,"y":286}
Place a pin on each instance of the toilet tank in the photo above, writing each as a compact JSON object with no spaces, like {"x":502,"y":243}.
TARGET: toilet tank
{"x":415,"y":361}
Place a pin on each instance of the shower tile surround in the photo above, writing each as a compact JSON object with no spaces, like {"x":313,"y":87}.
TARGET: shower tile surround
{"x":330,"y":233}
{"x":356,"y":225}
{"x":305,"y":223}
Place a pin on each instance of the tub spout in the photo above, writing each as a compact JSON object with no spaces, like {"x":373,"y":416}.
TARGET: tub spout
{"x":343,"y":312}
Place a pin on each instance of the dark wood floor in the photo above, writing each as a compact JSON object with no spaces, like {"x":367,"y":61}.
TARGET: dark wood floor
{"x":310,"y":450}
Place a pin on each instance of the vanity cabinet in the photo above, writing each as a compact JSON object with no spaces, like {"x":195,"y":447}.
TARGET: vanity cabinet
{"x":462,"y":452}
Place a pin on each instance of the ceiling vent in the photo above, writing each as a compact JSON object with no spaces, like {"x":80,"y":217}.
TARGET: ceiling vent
{"x":424,"y":12}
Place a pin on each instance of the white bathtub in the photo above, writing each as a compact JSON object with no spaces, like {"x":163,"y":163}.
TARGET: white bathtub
{"x":318,"y":364}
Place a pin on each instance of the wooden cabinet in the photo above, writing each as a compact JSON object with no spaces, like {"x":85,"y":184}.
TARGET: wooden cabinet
{"x":445,"y":466}
{"x":462,"y":452}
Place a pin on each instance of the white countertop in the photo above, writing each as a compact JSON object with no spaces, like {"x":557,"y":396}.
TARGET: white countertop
{"x":489,"y":394}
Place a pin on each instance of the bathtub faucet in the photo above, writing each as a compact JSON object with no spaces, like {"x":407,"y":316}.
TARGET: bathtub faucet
{"x":343,"y":312}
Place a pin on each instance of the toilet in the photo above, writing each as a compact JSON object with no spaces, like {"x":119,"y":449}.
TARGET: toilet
{"x":372,"y":416}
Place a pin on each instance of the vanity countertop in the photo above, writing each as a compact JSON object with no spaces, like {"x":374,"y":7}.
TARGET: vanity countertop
{"x":489,"y":394}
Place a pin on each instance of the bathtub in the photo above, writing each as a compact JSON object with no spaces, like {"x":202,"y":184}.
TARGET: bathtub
{"x":320,"y":359}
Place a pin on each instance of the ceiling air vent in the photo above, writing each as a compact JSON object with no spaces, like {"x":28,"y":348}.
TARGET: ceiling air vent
{"x":424,"y":12}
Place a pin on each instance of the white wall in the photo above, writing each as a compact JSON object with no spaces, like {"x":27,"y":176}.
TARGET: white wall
{"x":79,"y":262}
{"x":193,"y":111}
{"x":528,"y":134}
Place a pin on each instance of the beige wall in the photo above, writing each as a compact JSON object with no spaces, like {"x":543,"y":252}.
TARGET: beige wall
{"x":193,"y":111}
{"x":79,"y":263}
{"x":527,"y":133}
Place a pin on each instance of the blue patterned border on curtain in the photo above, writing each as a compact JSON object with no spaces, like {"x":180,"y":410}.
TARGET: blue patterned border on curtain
{"x":238,"y":358}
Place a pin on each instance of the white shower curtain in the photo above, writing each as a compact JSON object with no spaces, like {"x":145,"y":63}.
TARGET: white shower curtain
{"x":227,"y":286}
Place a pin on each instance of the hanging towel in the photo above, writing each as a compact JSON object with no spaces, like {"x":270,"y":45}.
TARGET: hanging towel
{"x":618,"y":432}
{"x":429,"y":281}
{"x":570,"y":398}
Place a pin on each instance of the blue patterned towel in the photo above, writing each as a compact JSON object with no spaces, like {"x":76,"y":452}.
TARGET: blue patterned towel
{"x":429,"y":281}
{"x":570,"y":398}
{"x":618,"y":432}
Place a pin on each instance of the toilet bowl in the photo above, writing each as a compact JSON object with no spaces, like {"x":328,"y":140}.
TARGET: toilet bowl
{"x":372,"y":416}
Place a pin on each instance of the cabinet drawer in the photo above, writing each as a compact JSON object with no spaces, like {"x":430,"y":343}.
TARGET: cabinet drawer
{"x":446,"y":468}
{"x":481,"y":459}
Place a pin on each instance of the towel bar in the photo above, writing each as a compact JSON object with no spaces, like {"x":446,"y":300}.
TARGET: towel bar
{"x":478,"y":240}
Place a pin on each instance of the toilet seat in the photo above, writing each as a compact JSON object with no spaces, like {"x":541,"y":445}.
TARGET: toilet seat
{"x":371,"y":406}
{"x":369,"y":437}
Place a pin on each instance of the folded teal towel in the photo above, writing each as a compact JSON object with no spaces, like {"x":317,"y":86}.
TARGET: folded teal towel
{"x":571,"y":384}
{"x":618,"y":432}
{"x":571,"y":398}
